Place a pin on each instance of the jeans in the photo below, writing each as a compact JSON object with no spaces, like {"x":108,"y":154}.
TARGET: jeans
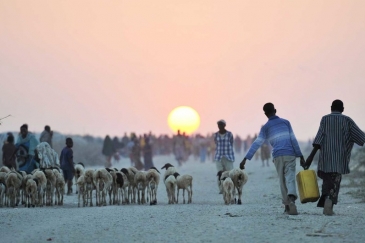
{"x":285,"y":167}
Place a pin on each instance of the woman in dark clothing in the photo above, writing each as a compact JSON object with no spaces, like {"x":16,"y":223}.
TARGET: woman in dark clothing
{"x":9,"y":151}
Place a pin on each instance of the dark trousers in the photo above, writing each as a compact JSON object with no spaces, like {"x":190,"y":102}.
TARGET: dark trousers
{"x":330,"y":187}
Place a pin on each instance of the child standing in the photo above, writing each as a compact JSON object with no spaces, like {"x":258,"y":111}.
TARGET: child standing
{"x":67,"y":164}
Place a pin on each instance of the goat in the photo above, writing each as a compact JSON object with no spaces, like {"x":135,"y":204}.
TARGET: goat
{"x":184,"y":182}
{"x":170,"y":183}
{"x":141,"y":184}
{"x":103,"y":181}
{"x":239,"y":178}
{"x":228,"y":189}
{"x":153,"y":179}
{"x":89,"y":186}
{"x":79,"y":171}
{"x":60,"y":187}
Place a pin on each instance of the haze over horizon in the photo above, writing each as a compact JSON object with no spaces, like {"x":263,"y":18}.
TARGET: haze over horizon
{"x":111,"y":67}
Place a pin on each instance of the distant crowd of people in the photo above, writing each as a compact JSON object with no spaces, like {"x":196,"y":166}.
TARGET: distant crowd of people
{"x":142,"y":148}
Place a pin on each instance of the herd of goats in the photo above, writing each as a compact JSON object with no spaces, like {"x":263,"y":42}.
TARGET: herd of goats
{"x":125,"y":186}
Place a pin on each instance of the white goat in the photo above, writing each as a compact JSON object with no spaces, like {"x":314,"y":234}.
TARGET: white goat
{"x":31,"y":193}
{"x":170,"y":183}
{"x":79,"y":171}
{"x":89,"y":186}
{"x":239,"y":178}
{"x":153,"y":179}
{"x":103,"y":181}
{"x":132,"y":185}
{"x":24,"y":183}
{"x":221,"y":174}
{"x":184,"y":182}
{"x":60,"y":187}
{"x":41,"y":186}
{"x":13,"y":184}
{"x":228,"y":189}
{"x":51,"y":185}
{"x":81,"y":185}
{"x":141,"y":184}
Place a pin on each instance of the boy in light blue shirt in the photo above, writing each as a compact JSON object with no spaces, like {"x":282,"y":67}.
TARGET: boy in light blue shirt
{"x":286,"y":149}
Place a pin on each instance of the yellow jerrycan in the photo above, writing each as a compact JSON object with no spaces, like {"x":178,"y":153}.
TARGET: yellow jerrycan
{"x":307,"y":186}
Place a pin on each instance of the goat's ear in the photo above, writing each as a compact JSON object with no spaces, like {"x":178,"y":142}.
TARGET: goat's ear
{"x":124,"y":170}
{"x":163,"y":167}
{"x":155,"y":169}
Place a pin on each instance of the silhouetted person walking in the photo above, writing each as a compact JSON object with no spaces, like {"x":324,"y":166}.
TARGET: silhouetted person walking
{"x":9,"y":151}
{"x":280,"y":135}
{"x":46,"y":135}
{"x":335,"y":138}
{"x":67,"y":164}
{"x":224,"y":154}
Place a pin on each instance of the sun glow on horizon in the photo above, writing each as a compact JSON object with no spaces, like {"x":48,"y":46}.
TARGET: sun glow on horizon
{"x":185,"y":119}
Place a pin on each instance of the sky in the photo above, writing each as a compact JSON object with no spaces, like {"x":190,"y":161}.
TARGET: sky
{"x":109,"y":67}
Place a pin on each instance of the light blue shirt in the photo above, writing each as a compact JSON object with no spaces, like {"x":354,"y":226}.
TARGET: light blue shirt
{"x":281,"y":137}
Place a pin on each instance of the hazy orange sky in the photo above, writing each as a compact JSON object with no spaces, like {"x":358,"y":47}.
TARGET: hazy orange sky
{"x":109,"y":67}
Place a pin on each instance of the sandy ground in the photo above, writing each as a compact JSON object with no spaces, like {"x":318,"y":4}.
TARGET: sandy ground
{"x":259,"y":219}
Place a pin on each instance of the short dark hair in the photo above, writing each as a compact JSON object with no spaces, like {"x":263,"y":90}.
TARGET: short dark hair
{"x":337,"y":105}
{"x":68,"y":140}
{"x":24,"y":126}
{"x":269,"y":108}
{"x":47,"y":128}
{"x":10,"y":139}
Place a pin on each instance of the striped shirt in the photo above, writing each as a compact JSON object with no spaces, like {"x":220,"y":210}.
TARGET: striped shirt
{"x":281,"y":137}
{"x":224,"y":146}
{"x":336,"y":136}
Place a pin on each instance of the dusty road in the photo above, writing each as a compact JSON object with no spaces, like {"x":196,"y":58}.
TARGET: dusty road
{"x":259,"y":219}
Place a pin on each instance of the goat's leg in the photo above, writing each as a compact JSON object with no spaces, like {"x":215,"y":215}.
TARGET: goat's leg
{"x":143,"y":196}
{"x":239,"y":196}
{"x":233,"y":196}
{"x":168,"y":195}
{"x":174,"y":195}
{"x":155,"y":195}
{"x":91,"y":198}
{"x":134,"y":193}
{"x":148,"y":194}
{"x":191,"y":194}
{"x":177,"y":198}
{"x":56,"y":197}
{"x":183,"y":195}
{"x":104,"y":193}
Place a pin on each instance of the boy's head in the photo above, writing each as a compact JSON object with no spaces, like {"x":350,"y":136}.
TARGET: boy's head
{"x":69,"y":142}
{"x":10,"y":139}
{"x":269,"y":109}
{"x":337,"y":105}
{"x":221,"y":124}
{"x":24,"y":130}
{"x":47,"y":128}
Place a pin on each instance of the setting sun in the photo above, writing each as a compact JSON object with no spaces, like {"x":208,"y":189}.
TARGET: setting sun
{"x":185,"y":119}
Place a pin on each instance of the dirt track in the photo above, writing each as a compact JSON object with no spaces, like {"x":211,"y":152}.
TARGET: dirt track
{"x":259,"y":219}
